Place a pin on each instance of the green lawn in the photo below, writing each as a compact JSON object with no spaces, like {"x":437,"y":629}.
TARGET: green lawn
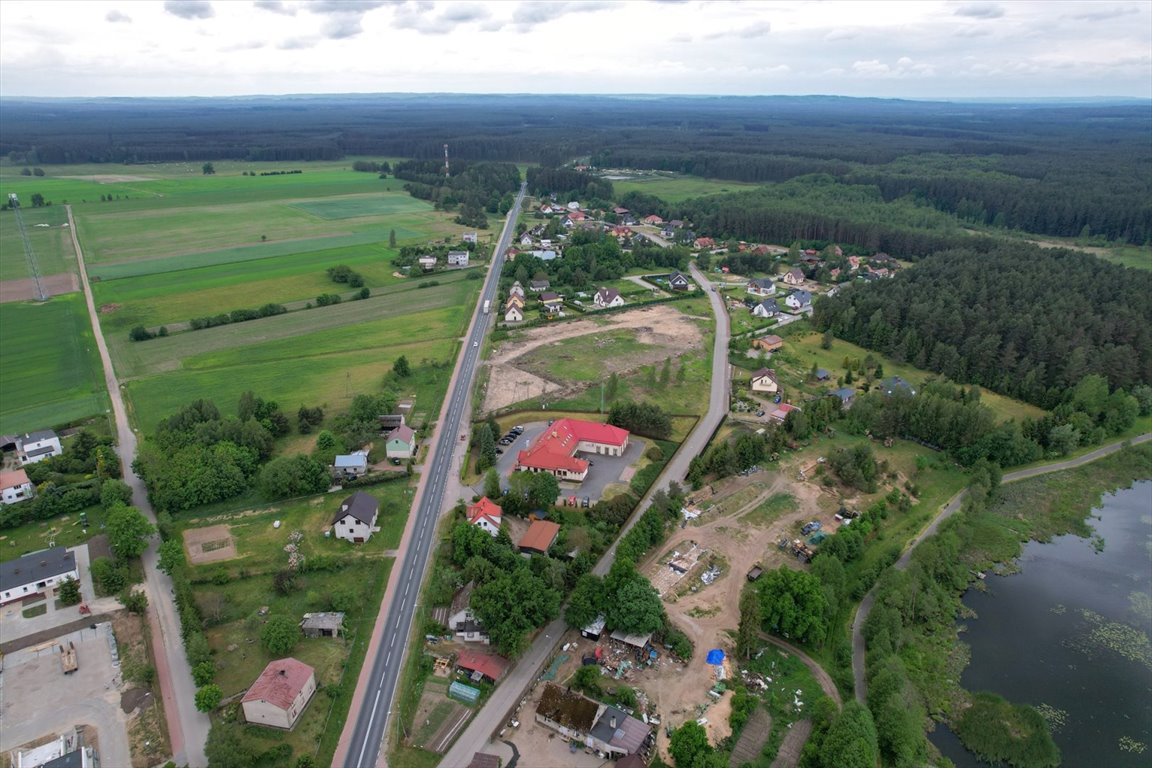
{"x":52,"y":244}
{"x":675,"y":189}
{"x":62,"y":531}
{"x":802,"y":348}
{"x":52,"y":374}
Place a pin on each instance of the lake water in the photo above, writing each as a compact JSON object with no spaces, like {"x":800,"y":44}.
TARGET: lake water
{"x":1070,"y":631}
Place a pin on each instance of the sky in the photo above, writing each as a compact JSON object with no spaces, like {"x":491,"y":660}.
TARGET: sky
{"x":879,"y":48}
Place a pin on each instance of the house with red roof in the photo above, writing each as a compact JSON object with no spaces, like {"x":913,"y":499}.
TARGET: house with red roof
{"x":486,"y":515}
{"x":482,"y":666}
{"x":704,"y":242}
{"x":540,"y":536}
{"x":555,"y":450}
{"x":781,"y":412}
{"x":652,"y":219}
{"x":280,"y":695}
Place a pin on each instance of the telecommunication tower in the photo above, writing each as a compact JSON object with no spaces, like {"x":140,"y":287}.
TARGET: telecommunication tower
{"x":445,"y":161}
{"x":33,"y":270}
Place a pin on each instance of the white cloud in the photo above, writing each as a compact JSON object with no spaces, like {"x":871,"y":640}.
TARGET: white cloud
{"x":275,"y":6}
{"x":980,"y":11}
{"x":116,"y":16}
{"x":190,"y":9}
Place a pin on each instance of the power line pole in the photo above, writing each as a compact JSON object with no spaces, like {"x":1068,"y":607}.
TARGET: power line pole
{"x":29,"y":255}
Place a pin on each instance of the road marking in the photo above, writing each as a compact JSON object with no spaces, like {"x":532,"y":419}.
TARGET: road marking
{"x":371,"y":719}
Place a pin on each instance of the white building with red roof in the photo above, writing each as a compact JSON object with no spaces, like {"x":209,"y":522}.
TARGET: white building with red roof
{"x":486,"y":515}
{"x":555,"y":450}
{"x":280,"y":695}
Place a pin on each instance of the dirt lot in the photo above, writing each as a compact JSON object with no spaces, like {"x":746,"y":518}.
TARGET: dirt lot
{"x":25,"y":290}
{"x":668,"y":330}
{"x":209,"y":545}
{"x":438,"y":719}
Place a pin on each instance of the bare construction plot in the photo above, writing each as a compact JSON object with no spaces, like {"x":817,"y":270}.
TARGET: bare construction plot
{"x":213,"y":544}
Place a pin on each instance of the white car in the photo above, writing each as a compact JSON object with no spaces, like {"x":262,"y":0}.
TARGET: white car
{"x":475,"y":343}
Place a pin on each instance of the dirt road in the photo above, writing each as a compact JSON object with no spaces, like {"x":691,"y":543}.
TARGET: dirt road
{"x":858,"y":671}
{"x":187,"y":728}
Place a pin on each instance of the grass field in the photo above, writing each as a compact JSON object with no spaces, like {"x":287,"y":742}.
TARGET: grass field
{"x":675,"y":189}
{"x":52,"y":374}
{"x":802,"y":348}
{"x":51,"y":244}
{"x":367,"y":205}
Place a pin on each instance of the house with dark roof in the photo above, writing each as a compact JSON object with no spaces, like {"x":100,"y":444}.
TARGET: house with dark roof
{"x":798,"y":300}
{"x":327,"y":624}
{"x":616,"y":734}
{"x":280,"y":695}
{"x":538,"y":285}
{"x":847,"y":396}
{"x":541,"y":535}
{"x":36,"y":572}
{"x":355,"y":521}
{"x":606,"y":298}
{"x":555,"y":450}
{"x":766,"y":308}
{"x":761,"y":286}
{"x":461,"y":621}
{"x":794,"y":277}
{"x":823,"y":374}
{"x":37,"y":446}
{"x":896,"y":385}
{"x":678,"y":281}
{"x":566,"y":712}
{"x":553,"y":302}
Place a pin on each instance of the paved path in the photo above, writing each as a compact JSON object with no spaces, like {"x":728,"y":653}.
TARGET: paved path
{"x":488,"y":720}
{"x":858,"y":650}
{"x":187,"y":728}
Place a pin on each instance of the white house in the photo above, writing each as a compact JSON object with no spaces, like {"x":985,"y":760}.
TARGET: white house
{"x":36,"y":572}
{"x":458,"y":258}
{"x":798,"y":300}
{"x":486,"y":515}
{"x":470,"y":237}
{"x":794,"y":277}
{"x":761,"y":286}
{"x":427,"y":263}
{"x":607,"y":297}
{"x":401,"y":443}
{"x":516,"y":290}
{"x":37,"y":446}
{"x":766,"y":308}
{"x":351,"y":465}
{"x":764,"y":380}
{"x":526,"y":240}
{"x":513,"y":314}
{"x":679,"y":281}
{"x":280,"y":695}
{"x":356,"y":519}
{"x":15,"y":486}
{"x":461,"y":621}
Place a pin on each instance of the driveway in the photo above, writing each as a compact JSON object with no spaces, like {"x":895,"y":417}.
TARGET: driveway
{"x":14,"y":626}
{"x":40,"y":700}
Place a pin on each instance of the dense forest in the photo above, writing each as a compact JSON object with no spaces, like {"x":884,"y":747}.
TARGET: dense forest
{"x":1021,"y":320}
{"x":477,"y":188}
{"x":1066,"y":169}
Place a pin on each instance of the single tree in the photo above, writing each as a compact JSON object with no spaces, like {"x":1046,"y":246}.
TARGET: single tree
{"x":751,"y":617}
{"x":492,"y":484}
{"x":208,"y":697}
{"x":689,"y":744}
{"x":392,"y":238}
{"x":401,"y":368}
{"x":128,"y":532}
{"x":171,"y":556}
{"x":69,"y":592}
{"x":208,"y":169}
{"x":280,"y":635}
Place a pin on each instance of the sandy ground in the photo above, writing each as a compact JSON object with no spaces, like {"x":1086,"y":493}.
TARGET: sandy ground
{"x":196,"y":538}
{"x":24,"y":290}
{"x":661,"y":326}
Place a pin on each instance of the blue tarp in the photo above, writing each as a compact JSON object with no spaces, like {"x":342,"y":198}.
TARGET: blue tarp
{"x":716,"y":656}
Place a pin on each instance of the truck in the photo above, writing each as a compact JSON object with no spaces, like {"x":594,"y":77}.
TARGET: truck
{"x":68,"y":658}
{"x":487,"y":306}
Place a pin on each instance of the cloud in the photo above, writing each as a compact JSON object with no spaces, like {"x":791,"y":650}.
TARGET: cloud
{"x":871,"y":68}
{"x":759,"y":29}
{"x":251,"y":45}
{"x":275,"y":6}
{"x":189,"y":9}
{"x":531,"y":14}
{"x":115,"y":16}
{"x":980,"y":11}
{"x":1106,"y":13}
{"x":840,"y":34}
{"x":345,"y":16}
{"x":297,"y":43}
{"x":462,"y":13}
{"x":357,"y":7}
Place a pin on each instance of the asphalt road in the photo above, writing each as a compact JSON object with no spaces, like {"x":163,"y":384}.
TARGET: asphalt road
{"x":376,"y":691}
{"x":858,"y":650}
{"x":187,"y":728}
{"x":489,"y":719}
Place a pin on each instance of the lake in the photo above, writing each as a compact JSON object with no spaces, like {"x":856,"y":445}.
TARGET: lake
{"x":1069,"y":634}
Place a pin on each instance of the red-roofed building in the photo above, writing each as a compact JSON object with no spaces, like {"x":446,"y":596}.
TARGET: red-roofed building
{"x":653,"y":219}
{"x":280,"y":695}
{"x":488,"y":666}
{"x":486,"y":515}
{"x":782,"y":412}
{"x":540,"y":536}
{"x":704,"y":242}
{"x":555,"y":450}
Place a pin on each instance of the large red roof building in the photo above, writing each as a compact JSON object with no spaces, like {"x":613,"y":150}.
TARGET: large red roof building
{"x":555,"y":450}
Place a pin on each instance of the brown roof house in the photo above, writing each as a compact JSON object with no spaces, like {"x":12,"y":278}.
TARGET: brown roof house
{"x":764,"y":380}
{"x":768,"y":343}
{"x":540,"y":536}
{"x":322,"y":624}
{"x":566,"y":712}
{"x":280,"y":695}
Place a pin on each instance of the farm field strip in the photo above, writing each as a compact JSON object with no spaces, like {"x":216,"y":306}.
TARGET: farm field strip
{"x":677,"y":189}
{"x":52,"y":244}
{"x":316,"y":326}
{"x":52,"y":374}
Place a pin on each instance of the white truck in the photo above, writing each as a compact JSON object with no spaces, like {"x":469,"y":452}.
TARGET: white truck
{"x":487,"y":306}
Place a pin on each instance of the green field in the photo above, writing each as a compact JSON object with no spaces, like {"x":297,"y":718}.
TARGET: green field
{"x":52,"y":373}
{"x":51,"y":244}
{"x":676,"y":189}
{"x":355,"y":207}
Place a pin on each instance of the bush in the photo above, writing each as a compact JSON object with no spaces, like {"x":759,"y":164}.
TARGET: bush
{"x":140,"y":333}
{"x":69,"y":592}
{"x":208,"y":697}
{"x":203,"y":673}
{"x":108,"y":577}
{"x":135,"y":601}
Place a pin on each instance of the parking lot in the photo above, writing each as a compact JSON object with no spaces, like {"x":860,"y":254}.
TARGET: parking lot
{"x":40,"y":700}
{"x":605,"y":470}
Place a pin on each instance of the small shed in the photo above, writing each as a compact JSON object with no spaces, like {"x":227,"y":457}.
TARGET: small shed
{"x":464,"y":693}
{"x":755,"y":573}
{"x":328,"y":624}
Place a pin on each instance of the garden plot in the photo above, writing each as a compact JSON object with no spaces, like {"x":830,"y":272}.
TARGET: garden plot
{"x":213,"y":544}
